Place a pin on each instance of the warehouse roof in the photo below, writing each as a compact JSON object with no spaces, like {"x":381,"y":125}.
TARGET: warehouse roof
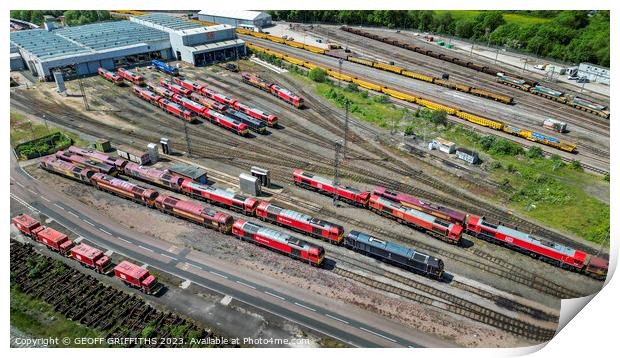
{"x":105,"y":35}
{"x":85,"y":39}
{"x":171,"y":22}
{"x":235,"y":14}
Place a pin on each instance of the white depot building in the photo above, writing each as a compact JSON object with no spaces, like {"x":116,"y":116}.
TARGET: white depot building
{"x":252,"y":20}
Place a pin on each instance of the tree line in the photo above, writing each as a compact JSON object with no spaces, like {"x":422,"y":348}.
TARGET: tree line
{"x":571,"y":36}
{"x":72,"y":17}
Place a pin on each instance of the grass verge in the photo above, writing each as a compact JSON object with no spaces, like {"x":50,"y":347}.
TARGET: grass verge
{"x":23,"y":129}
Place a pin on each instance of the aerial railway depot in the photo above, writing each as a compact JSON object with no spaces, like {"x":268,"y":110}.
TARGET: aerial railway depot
{"x":355,"y":216}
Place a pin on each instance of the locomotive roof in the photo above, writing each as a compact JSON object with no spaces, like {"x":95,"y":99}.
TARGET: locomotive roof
{"x":189,"y":207}
{"x":326,"y":181}
{"x":87,"y":251}
{"x":564,"y":250}
{"x":219,"y":192}
{"x":276,"y":236}
{"x":26,"y":220}
{"x":295,"y":215}
{"x":245,"y":117}
{"x":391,"y":247}
{"x":411,"y":211}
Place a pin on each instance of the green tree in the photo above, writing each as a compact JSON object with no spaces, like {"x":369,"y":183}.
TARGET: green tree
{"x":317,"y":75}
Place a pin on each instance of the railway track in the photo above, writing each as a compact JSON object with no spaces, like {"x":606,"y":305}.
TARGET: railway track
{"x":463,"y":74}
{"x":462,"y":308}
{"x":84,"y":299}
{"x":207,"y":149}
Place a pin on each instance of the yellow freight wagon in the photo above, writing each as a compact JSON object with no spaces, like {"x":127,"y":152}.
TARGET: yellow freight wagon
{"x":399,"y":95}
{"x":387,"y":67}
{"x":417,"y":76}
{"x":435,"y":106}
{"x":369,"y":85}
{"x":360,"y":61}
{"x":479,"y":120}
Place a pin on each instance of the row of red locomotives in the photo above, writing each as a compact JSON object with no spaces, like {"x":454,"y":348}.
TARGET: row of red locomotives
{"x":194,"y":212}
{"x":275,"y":89}
{"x":164,"y":104}
{"x":270,"y":119}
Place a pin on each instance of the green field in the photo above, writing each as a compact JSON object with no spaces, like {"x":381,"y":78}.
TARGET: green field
{"x":518,"y":19}
{"x":24,"y":129}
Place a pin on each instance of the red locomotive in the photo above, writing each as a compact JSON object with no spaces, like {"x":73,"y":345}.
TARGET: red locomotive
{"x":321,"y":229}
{"x":548,"y":251}
{"x":174,"y":87}
{"x":346,"y":193}
{"x":208,"y":102}
{"x":146,"y":94}
{"x":240,"y":203}
{"x":270,"y":119}
{"x":441,"y":212}
{"x":441,"y":229}
{"x":110,"y":76}
{"x":190,"y":85}
{"x":162,"y":91}
{"x":222,"y":98}
{"x":176,"y":110}
{"x":131,"y":76}
{"x":279,"y":241}
{"x":67,"y":169}
{"x":98,"y":156}
{"x":275,"y":89}
{"x":91,"y":257}
{"x":86,"y":163}
{"x":138,"y":277}
{"x":189,"y":104}
{"x":164,"y":104}
{"x":226,"y":122}
{"x":124,"y":189}
{"x":195,"y":213}
{"x":54,"y":240}
{"x":154,"y":176}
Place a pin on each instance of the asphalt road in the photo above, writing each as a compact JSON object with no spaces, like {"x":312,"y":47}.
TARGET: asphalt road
{"x":349,"y":324}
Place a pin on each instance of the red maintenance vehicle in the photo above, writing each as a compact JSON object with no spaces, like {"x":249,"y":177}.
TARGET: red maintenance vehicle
{"x":124,"y":189}
{"x":98,"y":156}
{"x":208,"y":102}
{"x":154,"y":176}
{"x":437,"y":211}
{"x":86,"y":163}
{"x":27,"y":225}
{"x":162,"y":91}
{"x":551,"y":252}
{"x":275,"y":89}
{"x":189,"y":104}
{"x":224,"y":121}
{"x":259,"y":114}
{"x":190,"y":85}
{"x":136,"y":276}
{"x":131,"y":76}
{"x":174,"y":87}
{"x":326,"y":186}
{"x":55,"y":240}
{"x":110,"y":76}
{"x":67,"y":169}
{"x":236,"y":202}
{"x":195,"y":213}
{"x":325,"y":230}
{"x":279,"y":241}
{"x":92,"y":258}
{"x":436,"y":227}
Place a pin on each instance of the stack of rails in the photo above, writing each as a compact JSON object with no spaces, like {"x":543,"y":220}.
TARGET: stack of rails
{"x":503,"y":77}
{"x":448,"y":225}
{"x":472,"y":118}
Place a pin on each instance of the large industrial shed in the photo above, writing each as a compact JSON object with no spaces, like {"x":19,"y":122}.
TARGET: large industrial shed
{"x":195,"y":43}
{"x":80,"y":50}
{"x":241,"y":18}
